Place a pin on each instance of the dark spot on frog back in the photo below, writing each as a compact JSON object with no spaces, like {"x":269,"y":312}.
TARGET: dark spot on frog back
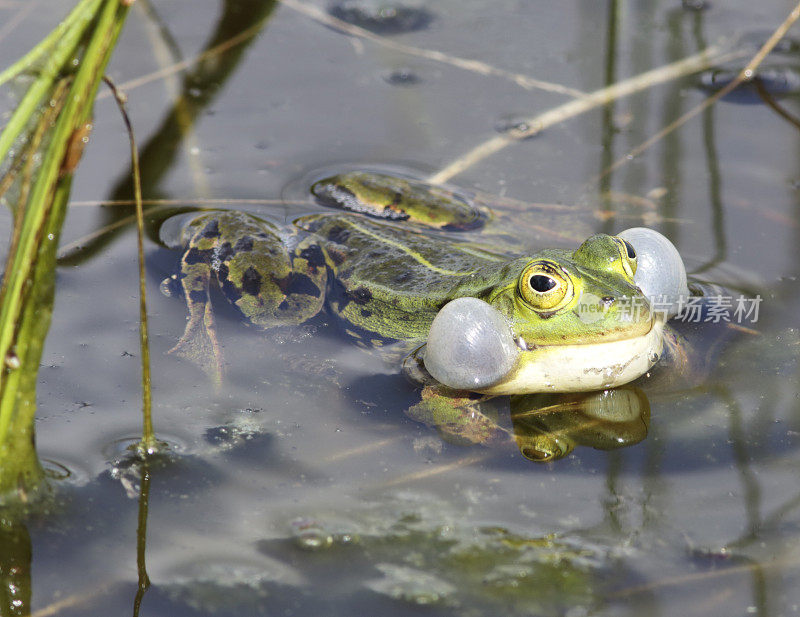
{"x":338,"y":294}
{"x":224,"y":251}
{"x":337,"y":256}
{"x":251,"y":281}
{"x":230,"y":290}
{"x":211,"y":230}
{"x":360,"y":295}
{"x":198,"y":297}
{"x":195,"y":255}
{"x":339,"y":235}
{"x":243,"y":244}
{"x":302,"y":284}
{"x":314,"y":257}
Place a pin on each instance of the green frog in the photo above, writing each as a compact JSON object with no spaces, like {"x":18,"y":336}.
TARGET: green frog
{"x":392,"y":259}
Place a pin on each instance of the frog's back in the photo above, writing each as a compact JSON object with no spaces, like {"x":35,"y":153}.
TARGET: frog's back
{"x":391,"y":280}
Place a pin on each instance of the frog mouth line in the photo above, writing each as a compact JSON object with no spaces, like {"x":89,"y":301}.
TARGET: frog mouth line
{"x":641,"y":330}
{"x":582,"y":367}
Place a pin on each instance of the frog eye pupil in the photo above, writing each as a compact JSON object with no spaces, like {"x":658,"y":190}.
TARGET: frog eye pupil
{"x":541,"y":283}
{"x":629,"y":248}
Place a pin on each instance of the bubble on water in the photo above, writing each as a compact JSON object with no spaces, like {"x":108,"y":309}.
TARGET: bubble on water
{"x":67,"y":472}
{"x":512,"y":123}
{"x":402,"y":77}
{"x":380,"y":16}
{"x":126,"y":448}
{"x":235,"y":435}
{"x":169,"y":286}
{"x":310,"y":536}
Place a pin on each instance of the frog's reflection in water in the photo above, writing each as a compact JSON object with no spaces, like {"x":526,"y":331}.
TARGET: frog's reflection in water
{"x":545,"y":427}
{"x":549,"y":426}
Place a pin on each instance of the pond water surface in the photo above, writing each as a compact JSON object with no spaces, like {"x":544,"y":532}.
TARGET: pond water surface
{"x":301,"y":487}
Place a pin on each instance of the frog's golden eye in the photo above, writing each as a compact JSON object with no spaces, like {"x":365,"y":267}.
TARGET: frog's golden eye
{"x":628,"y":256}
{"x":545,"y":287}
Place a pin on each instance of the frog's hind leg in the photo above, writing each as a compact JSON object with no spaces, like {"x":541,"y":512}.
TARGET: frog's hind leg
{"x":199,"y":342}
{"x":462,"y":418}
{"x":272,"y":276}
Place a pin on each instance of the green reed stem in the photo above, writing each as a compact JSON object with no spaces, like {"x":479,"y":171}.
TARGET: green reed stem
{"x":26,"y":297}
{"x":85,"y":12}
{"x":148,"y":443}
{"x":54,"y":66}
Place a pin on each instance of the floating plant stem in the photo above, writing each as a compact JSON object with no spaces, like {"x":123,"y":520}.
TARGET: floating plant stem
{"x":576,"y":107}
{"x":148,"y":443}
{"x":54,"y":116}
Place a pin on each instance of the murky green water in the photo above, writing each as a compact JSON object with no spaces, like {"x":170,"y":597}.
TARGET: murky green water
{"x":302,"y":488}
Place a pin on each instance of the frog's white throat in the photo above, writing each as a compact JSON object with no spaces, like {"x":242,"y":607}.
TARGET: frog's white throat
{"x":582,"y":368}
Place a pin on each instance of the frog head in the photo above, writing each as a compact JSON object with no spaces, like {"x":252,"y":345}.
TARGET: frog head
{"x":576,"y":322}
{"x":576,"y":298}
